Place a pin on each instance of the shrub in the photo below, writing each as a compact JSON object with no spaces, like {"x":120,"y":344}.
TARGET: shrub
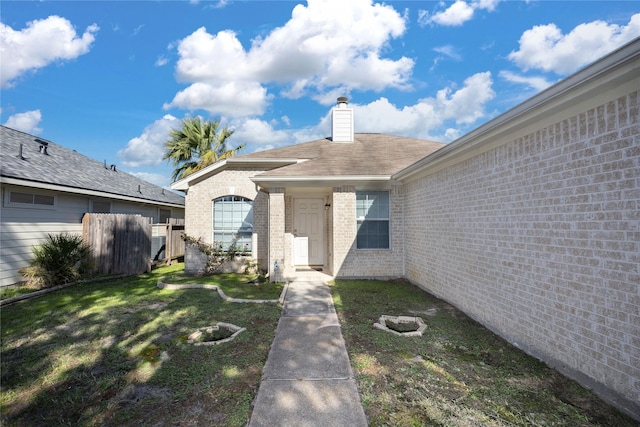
{"x":216,"y":256}
{"x":61,"y":259}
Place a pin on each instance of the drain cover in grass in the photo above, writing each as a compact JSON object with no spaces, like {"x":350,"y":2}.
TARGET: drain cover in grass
{"x":406,"y":326}
{"x":216,"y":334}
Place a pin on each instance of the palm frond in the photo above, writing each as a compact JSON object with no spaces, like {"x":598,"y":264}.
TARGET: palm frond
{"x":197,"y":144}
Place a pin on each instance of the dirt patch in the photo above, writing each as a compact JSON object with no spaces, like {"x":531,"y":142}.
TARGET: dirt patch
{"x":140,"y":392}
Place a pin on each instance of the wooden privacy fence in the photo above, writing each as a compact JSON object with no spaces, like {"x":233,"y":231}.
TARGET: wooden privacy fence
{"x":174,"y":245}
{"x":121,"y":244}
{"x":166,"y":241}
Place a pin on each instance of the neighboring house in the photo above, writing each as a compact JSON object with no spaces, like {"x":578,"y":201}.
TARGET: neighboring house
{"x":47,"y":188}
{"x":530,"y":223}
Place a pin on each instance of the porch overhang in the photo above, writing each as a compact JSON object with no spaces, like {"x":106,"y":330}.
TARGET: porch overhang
{"x":368,"y":181}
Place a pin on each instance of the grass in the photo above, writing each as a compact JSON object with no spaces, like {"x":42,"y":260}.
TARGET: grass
{"x":233,"y":285}
{"x":115,"y":353}
{"x":457,"y":374}
{"x":12,"y":292}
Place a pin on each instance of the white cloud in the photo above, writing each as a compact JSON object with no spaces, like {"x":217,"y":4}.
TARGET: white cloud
{"x":448,"y":51}
{"x":42,"y":42}
{"x":161,"y":61}
{"x":137,"y":29}
{"x":148,"y":148}
{"x":258,"y":132}
{"x":546,"y":48}
{"x":537,"y":83}
{"x":325,"y":44}
{"x":232,"y":98}
{"x":154,"y":178}
{"x":443,"y":117}
{"x":457,"y":14}
{"x":25,"y":122}
{"x":426,"y":118}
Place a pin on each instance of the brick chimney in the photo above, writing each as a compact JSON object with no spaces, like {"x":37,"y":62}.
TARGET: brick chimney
{"x":342,"y":121}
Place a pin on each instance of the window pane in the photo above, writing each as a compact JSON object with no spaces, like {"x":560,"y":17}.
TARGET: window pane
{"x":39,"y":199}
{"x":101,"y":207}
{"x":373,"y":234}
{"x":164,"y":215}
{"x":233,"y":219}
{"x":372,"y":214}
{"x":16,"y":197}
{"x":372,"y":204}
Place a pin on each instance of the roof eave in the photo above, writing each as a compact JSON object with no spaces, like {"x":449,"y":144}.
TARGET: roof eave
{"x":83,"y":191}
{"x":618,"y":72}
{"x":320,"y":180}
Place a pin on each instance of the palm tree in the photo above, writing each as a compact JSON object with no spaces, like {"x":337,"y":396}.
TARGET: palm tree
{"x":197,"y":144}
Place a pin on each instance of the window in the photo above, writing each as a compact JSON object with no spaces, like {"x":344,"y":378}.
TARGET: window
{"x":20,"y":199}
{"x":372,"y":215}
{"x":164,"y":216}
{"x":100,"y":207}
{"x":233,"y":219}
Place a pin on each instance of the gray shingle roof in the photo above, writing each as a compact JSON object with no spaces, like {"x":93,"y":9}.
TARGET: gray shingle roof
{"x":64,"y":167}
{"x":369,"y":155}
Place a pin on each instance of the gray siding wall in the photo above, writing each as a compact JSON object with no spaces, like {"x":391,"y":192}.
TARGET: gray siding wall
{"x":539,"y":239}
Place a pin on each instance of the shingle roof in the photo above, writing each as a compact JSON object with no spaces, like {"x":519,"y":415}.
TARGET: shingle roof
{"x":369,"y":155}
{"x":67,"y":168}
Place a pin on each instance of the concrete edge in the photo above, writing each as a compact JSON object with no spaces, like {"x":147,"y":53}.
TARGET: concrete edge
{"x":171,"y":286}
{"x":45,"y":291}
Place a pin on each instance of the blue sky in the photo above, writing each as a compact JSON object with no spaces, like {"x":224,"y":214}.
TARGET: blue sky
{"x":110,"y":78}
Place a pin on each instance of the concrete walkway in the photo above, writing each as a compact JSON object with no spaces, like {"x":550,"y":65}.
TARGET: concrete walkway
{"x":307,"y":379}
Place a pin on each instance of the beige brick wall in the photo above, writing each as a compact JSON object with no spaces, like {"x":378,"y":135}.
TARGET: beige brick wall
{"x":276,"y":231}
{"x":199,"y":210}
{"x":352,"y":262}
{"x":539,"y":240}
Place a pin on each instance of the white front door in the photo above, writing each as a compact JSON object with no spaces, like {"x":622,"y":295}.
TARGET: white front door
{"x":308,"y":241}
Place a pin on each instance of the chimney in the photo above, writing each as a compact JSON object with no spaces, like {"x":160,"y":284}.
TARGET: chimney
{"x":342,"y":122}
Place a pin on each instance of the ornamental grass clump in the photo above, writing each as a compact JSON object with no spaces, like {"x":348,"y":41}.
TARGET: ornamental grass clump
{"x":62,"y":258}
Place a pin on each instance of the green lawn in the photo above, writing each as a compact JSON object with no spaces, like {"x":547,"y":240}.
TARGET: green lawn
{"x":457,"y":374}
{"x":115,"y":353}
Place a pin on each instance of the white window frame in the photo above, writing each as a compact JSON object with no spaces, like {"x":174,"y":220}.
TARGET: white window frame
{"x":93,"y":202}
{"x":377,"y":216}
{"x":246,"y":245}
{"x":33,"y":205}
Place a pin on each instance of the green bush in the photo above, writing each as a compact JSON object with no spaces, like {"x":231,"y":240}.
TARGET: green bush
{"x":61,"y":259}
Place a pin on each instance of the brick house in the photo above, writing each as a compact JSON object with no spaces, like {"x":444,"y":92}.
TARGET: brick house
{"x":530,"y":223}
{"x":296,"y":205}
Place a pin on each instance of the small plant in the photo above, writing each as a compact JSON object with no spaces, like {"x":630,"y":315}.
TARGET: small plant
{"x":60,"y":259}
{"x":216,"y":255}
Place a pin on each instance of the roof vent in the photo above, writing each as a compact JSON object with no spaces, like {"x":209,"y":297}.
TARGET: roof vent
{"x":342,"y":121}
{"x":43,"y":145}
{"x":139,"y":189}
{"x":20,"y":156}
{"x":113,"y":168}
